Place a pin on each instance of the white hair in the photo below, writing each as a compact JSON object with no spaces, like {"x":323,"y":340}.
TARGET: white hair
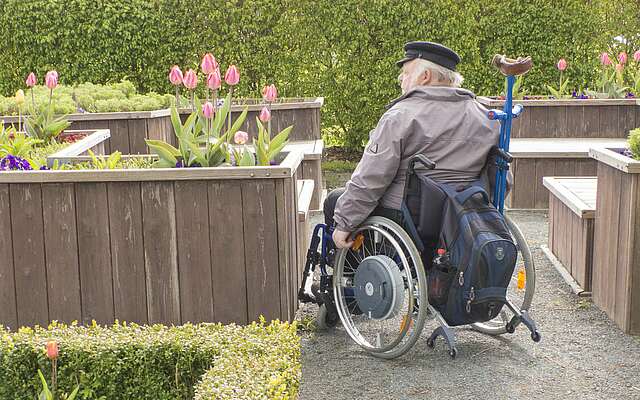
{"x":441,"y":74}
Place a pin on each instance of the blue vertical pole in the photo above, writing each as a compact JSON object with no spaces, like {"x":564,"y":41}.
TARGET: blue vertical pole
{"x":505,"y":138}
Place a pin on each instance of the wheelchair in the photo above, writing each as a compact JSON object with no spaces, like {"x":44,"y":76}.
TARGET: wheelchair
{"x":378,"y":288}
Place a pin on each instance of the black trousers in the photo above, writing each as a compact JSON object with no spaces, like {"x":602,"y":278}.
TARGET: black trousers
{"x":330,"y":206}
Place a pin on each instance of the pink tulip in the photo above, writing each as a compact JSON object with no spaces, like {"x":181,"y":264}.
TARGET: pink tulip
{"x":265,"y":114}
{"x":619,"y":68}
{"x":636,"y":56}
{"x":214,"y":81}
{"x":562,"y":64}
{"x":207,"y":110}
{"x":31,"y":80}
{"x":52,"y":350}
{"x":190,"y":80}
{"x":270,"y":93}
{"x":604,"y":59}
{"x":622,"y":57}
{"x":241,"y":137}
{"x":232,"y":76}
{"x":209,"y":64}
{"x":51,"y":79}
{"x":175,"y":75}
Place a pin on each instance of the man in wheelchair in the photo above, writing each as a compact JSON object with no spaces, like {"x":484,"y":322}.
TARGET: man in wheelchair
{"x":433,"y":117}
{"x":382,"y":230}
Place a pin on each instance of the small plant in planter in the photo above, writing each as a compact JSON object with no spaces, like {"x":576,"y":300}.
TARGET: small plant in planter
{"x":561,"y":91}
{"x":634,"y":144}
{"x":42,"y":124}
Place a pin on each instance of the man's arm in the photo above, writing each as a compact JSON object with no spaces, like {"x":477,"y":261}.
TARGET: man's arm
{"x":373,"y":175}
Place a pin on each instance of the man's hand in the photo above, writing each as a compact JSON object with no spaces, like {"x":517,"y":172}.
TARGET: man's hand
{"x":340,"y":239}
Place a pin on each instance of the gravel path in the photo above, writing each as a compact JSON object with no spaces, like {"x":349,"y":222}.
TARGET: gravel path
{"x":583,"y":355}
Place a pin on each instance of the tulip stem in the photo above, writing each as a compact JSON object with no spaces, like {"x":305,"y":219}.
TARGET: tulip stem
{"x":19,"y":120}
{"x":177,"y":96}
{"x":192,"y":103}
{"x":33,"y":100}
{"x":54,"y":377}
{"x":50,"y":97}
{"x":269,"y":123}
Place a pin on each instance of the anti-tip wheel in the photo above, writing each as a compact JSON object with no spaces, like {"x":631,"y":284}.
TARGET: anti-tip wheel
{"x":510,"y":328}
{"x":324,"y":320}
{"x":453,"y":353}
{"x":431,"y":343}
{"x":535,"y":336}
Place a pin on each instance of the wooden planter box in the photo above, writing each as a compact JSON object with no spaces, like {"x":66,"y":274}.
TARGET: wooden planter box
{"x":128,"y":129}
{"x":616,"y":262}
{"x":94,"y":141}
{"x":149,"y":246}
{"x":303,"y":114}
{"x":592,"y":118}
{"x":572,"y":205}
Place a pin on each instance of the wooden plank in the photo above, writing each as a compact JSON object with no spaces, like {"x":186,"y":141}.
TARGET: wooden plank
{"x":94,"y":253}
{"x":573,"y":148}
{"x":296,"y":258}
{"x":578,"y":194}
{"x":161,"y":261}
{"x":261,"y":249}
{"x":565,"y":167}
{"x":544,"y":167}
{"x":575,"y":122}
{"x":609,"y":122}
{"x":137,"y":134}
{"x":597,"y":288}
{"x":228,"y":272}
{"x":586,"y":167}
{"x":557,"y":123}
{"x":521,"y":126}
{"x":634,"y":276}
{"x":591,"y":122}
{"x":8,"y":311}
{"x":577,"y":247}
{"x":589,"y":247}
{"x":539,"y":120}
{"x":312,"y":169}
{"x":552,"y":222}
{"x":194,"y":255}
{"x":28,"y":251}
{"x":119,"y":136}
{"x":283,"y":252}
{"x":61,"y":252}
{"x":524,"y":189}
{"x":127,"y":252}
{"x":627,"y":119}
{"x":622,"y":249}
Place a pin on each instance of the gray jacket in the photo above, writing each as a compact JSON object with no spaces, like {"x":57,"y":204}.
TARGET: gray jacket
{"x":445,"y":124}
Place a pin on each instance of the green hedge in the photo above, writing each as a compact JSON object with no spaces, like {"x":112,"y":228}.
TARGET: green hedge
{"x":344,"y":51}
{"x":155,"y":362}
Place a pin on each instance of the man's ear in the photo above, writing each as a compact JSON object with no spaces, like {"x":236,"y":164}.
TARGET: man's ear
{"x":425,"y":77}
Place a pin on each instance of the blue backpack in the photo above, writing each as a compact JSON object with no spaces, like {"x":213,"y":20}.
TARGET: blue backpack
{"x":480,"y":251}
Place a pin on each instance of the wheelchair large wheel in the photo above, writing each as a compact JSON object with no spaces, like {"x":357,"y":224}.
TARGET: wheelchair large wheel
{"x":380,"y":289}
{"x":520,"y":297}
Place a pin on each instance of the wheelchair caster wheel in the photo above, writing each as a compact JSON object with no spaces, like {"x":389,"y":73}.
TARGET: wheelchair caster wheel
{"x":431,"y":343}
{"x":325,"y":319}
{"x":453,"y":353}
{"x":535,"y":336}
{"x":510,"y":327}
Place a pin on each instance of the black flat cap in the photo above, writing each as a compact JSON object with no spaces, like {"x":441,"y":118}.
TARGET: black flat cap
{"x":433,"y":52}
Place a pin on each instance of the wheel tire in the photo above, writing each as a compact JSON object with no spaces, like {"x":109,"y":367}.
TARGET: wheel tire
{"x":431,"y":343}
{"x":535,"y":336}
{"x":453,"y":353}
{"x":495,"y":328}
{"x":420,"y":276}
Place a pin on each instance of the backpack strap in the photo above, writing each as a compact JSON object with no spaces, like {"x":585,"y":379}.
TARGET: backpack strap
{"x":469,"y":192}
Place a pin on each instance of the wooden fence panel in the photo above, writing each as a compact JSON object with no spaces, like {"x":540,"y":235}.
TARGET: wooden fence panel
{"x":28,"y":248}
{"x":194,"y":255}
{"x":161,"y":261}
{"x":94,"y":253}
{"x":127,"y":252}
{"x":61,"y":250}
{"x":8,"y":311}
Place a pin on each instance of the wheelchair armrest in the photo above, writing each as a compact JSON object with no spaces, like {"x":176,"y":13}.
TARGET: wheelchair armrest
{"x":421,"y":159}
{"x":505,"y":155}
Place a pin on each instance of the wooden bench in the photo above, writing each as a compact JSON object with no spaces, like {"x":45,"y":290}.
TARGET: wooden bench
{"x":537,"y":158}
{"x":572,"y":211}
{"x":306,"y":191}
{"x":311,"y":167}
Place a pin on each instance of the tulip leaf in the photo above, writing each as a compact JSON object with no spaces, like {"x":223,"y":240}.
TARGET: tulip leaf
{"x":247,"y":159}
{"x":175,"y":121}
{"x":160,"y":143}
{"x":238,"y":123}
{"x":281,"y":137}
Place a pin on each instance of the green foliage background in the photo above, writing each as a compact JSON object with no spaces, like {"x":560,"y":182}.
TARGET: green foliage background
{"x":343,"y":50}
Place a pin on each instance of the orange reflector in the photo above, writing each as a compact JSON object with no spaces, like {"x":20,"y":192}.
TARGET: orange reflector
{"x":357,"y":243}
{"x":403,"y":324}
{"x":521,"y":278}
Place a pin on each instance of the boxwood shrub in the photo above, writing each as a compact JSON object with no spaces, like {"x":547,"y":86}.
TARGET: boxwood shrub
{"x":128,"y":361}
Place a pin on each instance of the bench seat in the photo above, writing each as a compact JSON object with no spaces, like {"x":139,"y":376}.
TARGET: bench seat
{"x":535,"y":158}
{"x":572,"y":211}
{"x":311,"y":167}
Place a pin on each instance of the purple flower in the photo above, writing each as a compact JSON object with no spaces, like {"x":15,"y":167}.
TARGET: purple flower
{"x":629,"y":95}
{"x":44,"y":168}
{"x":13,"y":163}
{"x":179,"y":164}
